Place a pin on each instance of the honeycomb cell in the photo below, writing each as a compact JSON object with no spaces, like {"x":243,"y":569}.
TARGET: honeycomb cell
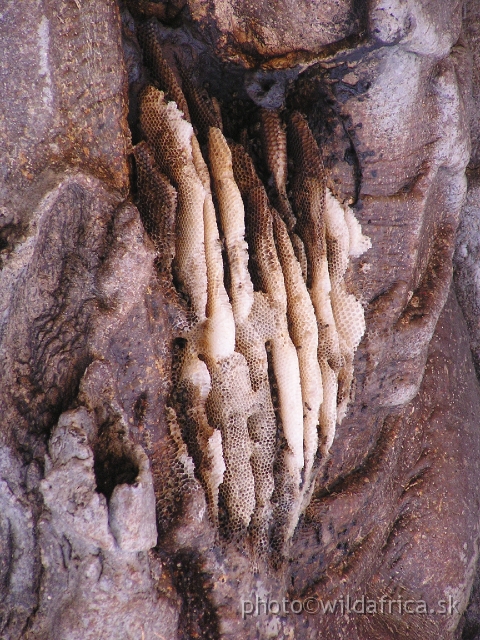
{"x":232,"y":218}
{"x":170,"y":137}
{"x":303,"y":329}
{"x":204,"y":110}
{"x":265,"y":370}
{"x":274,"y":141}
{"x":159,"y":68}
{"x":157,"y":203}
{"x":271,"y":278}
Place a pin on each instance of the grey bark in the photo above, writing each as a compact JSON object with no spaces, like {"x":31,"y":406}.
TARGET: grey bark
{"x":104,"y":531}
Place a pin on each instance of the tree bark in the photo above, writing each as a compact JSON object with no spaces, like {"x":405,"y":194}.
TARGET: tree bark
{"x":106,"y":521}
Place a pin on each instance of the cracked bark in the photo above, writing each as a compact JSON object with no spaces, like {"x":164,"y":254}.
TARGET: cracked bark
{"x":87,"y":328}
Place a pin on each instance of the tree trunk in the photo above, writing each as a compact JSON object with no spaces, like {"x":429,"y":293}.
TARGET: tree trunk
{"x":161,"y":475}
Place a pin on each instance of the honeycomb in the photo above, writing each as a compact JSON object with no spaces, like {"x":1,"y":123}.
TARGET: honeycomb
{"x":274,"y":141}
{"x":228,"y":400}
{"x":205,"y":111}
{"x":309,"y":197}
{"x":191,"y":391}
{"x":304,"y":148}
{"x":347,"y":310}
{"x":169,"y":136}
{"x":157,"y":203}
{"x":159,"y":68}
{"x":232,"y":217}
{"x":174,"y":486}
{"x":218,"y":335}
{"x":272,"y":283}
{"x":302,"y":325}
{"x":265,"y":370}
{"x":250,"y":341}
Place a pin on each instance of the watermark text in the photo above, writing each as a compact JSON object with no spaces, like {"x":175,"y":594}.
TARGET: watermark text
{"x":313,"y":605}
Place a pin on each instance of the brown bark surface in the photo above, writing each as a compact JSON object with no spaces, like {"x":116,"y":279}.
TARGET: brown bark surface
{"x":91,"y":468}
